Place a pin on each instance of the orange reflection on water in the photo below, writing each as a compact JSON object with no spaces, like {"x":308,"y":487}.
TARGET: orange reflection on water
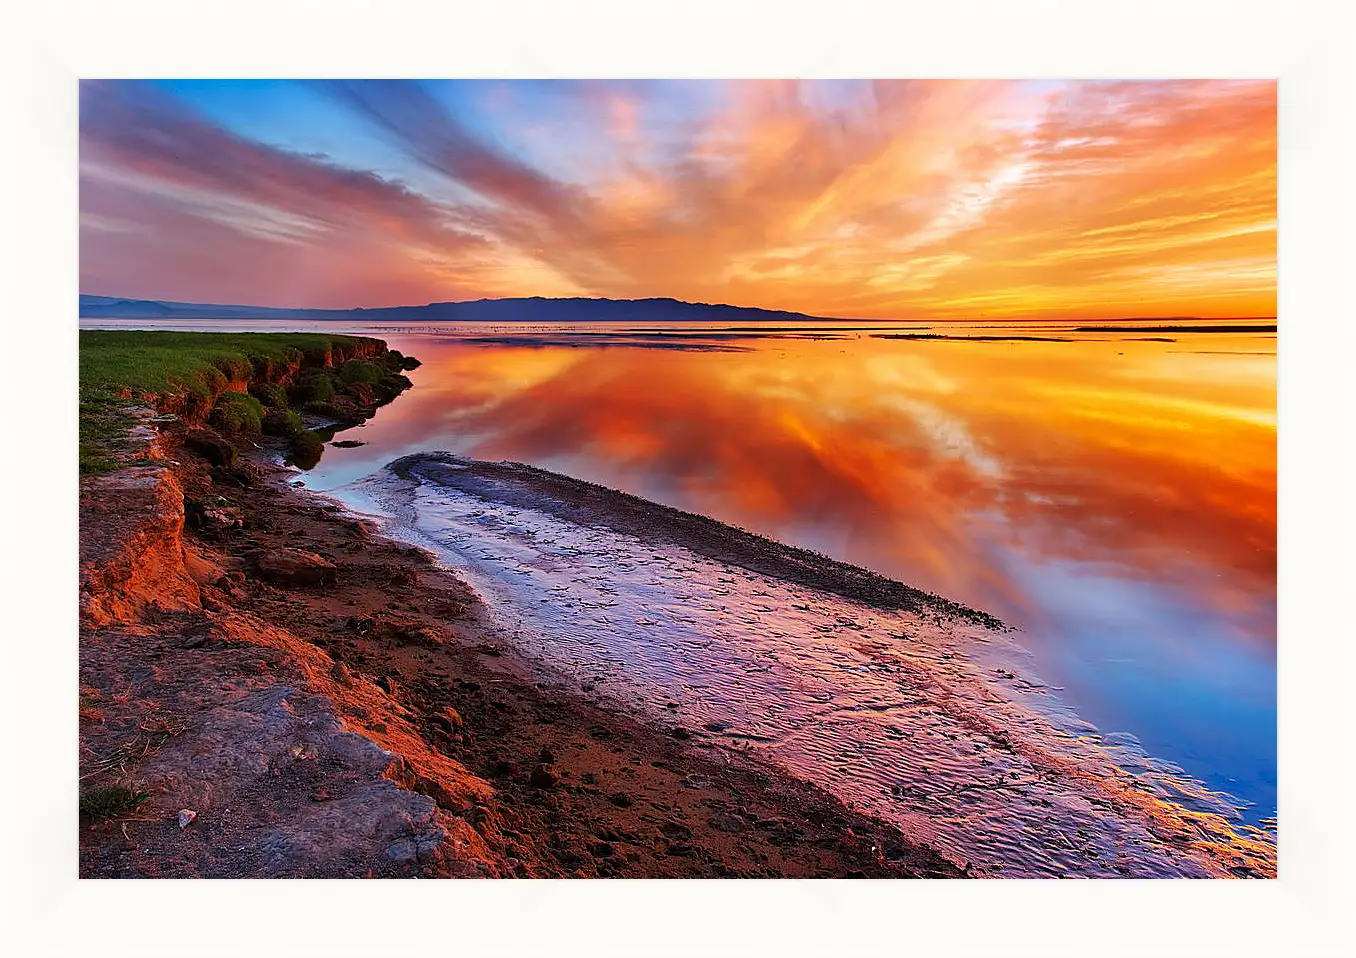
{"x":1113,"y":497}
{"x":917,"y":459}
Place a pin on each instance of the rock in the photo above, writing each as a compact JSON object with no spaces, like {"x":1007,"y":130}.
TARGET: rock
{"x":449,"y":719}
{"x":674,"y":830}
{"x":389,"y":685}
{"x":547,"y":757}
{"x":402,"y":851}
{"x":726,"y":822}
{"x":347,"y":444}
{"x":601,"y":849}
{"x":248,"y":475}
{"x":294,"y":567}
{"x":186,"y":816}
{"x":211,"y":447}
{"x":213,"y":514}
{"x":621,"y":800}
{"x":406,"y":630}
{"x":543,"y":776}
{"x":679,"y":732}
{"x":428,"y":846}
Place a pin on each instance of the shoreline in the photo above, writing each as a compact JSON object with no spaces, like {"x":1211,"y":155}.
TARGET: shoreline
{"x":579,"y":501}
{"x":506,"y":526}
{"x":222,"y":608}
{"x":484,"y":771}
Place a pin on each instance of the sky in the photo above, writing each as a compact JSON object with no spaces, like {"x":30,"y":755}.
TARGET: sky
{"x":898,"y":199}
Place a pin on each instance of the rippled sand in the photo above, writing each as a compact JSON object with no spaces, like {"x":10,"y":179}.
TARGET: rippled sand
{"x":904,"y":705}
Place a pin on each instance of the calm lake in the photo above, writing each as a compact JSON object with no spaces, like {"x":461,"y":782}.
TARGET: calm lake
{"x":1111,"y":494}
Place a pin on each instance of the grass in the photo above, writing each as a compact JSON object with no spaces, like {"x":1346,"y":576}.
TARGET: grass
{"x":362,"y":371}
{"x":314,"y":385}
{"x":238,"y":412}
{"x":271,"y":395}
{"x":102,"y":423}
{"x":110,"y":801}
{"x":283,"y":422}
{"x":160,"y":362}
{"x":122,"y":367}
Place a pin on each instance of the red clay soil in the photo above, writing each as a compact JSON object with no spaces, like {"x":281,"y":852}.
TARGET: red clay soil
{"x":344,"y":710}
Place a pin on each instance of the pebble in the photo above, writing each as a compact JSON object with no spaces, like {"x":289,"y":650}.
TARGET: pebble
{"x":726,"y":822}
{"x":543,"y":776}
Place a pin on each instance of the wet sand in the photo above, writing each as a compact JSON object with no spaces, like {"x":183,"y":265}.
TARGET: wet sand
{"x":577,"y":787}
{"x":913,"y":709}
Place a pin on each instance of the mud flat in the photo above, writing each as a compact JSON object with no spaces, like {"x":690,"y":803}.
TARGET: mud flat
{"x":270,"y":688}
{"x":908,"y":708}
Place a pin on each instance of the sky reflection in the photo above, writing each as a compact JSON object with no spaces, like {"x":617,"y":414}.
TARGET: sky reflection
{"x":1115,"y":499}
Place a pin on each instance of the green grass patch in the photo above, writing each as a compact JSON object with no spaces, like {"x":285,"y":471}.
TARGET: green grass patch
{"x":270,"y":394}
{"x":307,"y":448}
{"x":160,"y":362}
{"x":110,"y":801}
{"x":237,"y":413}
{"x":282,"y":422}
{"x":119,"y":368}
{"x":102,"y":423}
{"x":313,"y":385}
{"x":361,"y":371}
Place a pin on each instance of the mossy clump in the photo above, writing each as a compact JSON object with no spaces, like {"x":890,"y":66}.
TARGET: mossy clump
{"x":307,"y":448}
{"x":327,"y":409}
{"x":358,"y":394}
{"x":282,"y":422}
{"x":237,"y":413}
{"x":391,"y":386}
{"x":112,"y":800}
{"x":313,"y":385}
{"x":271,"y":395}
{"x":357,"y":371}
{"x":396,"y":360}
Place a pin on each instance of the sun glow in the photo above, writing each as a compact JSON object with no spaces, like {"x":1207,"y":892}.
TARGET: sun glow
{"x":908,"y":199}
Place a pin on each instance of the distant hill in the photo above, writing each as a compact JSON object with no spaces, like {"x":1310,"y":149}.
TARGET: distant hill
{"x":533,"y":309}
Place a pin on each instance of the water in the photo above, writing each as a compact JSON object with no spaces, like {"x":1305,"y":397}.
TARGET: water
{"x":1112,"y":496}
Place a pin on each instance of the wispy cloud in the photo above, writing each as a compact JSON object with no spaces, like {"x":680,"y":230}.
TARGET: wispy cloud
{"x":889,"y":198}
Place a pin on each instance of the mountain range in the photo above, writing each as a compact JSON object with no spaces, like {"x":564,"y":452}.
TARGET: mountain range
{"x":527,"y":309}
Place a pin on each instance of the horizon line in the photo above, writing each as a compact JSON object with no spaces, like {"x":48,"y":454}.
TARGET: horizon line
{"x":674,"y":299}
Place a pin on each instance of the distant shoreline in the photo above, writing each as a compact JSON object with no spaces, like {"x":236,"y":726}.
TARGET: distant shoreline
{"x":1234,"y":328}
{"x":538,"y":309}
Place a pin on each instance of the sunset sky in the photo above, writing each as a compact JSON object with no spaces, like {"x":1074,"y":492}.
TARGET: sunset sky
{"x":898,"y":199}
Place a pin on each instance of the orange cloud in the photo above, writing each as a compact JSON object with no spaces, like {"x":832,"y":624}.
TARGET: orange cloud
{"x":891,"y":199}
